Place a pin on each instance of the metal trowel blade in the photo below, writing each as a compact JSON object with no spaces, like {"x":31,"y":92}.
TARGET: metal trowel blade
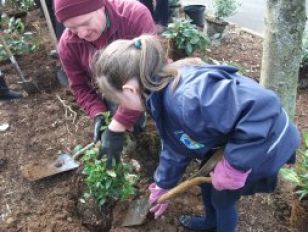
{"x":137,"y":212}
{"x":37,"y":171}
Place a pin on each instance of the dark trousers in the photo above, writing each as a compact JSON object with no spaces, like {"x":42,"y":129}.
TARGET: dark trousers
{"x":148,"y":4}
{"x":220,"y":207}
{"x":161,"y":11}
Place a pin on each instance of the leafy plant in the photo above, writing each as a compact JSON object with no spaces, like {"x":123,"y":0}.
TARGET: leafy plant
{"x":25,"y":43}
{"x":305,"y":47}
{"x":22,"y":5}
{"x":186,"y":36}
{"x":225,"y":8}
{"x":107,"y":119}
{"x":105,"y":184}
{"x":18,"y":40}
{"x":15,"y":26}
{"x":299,"y":174}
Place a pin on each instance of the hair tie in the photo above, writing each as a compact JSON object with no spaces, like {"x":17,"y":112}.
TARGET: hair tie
{"x":137,"y":43}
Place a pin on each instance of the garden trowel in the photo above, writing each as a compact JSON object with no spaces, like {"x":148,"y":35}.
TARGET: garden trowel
{"x":65,"y":162}
{"x":139,"y":208}
{"x":28,"y":85}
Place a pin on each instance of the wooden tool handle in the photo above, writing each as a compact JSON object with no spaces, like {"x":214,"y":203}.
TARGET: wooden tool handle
{"x":184,"y":186}
{"x":81,"y":151}
{"x":196,"y":179}
{"x":49,"y":23}
{"x":210,"y":164}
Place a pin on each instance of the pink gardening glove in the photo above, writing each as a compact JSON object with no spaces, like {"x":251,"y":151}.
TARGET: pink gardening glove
{"x":225,"y":177}
{"x":156,"y":192}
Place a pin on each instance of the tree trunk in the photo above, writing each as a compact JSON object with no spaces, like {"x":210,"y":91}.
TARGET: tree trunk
{"x":285,"y":23}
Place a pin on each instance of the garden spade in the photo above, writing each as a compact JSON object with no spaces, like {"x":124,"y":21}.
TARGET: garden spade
{"x":139,"y":208}
{"x":27,"y":85}
{"x":65,"y":162}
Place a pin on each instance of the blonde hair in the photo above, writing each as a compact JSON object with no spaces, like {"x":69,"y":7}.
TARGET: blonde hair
{"x":142,"y":58}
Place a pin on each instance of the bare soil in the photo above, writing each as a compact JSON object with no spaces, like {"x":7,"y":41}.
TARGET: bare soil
{"x":41,"y":127}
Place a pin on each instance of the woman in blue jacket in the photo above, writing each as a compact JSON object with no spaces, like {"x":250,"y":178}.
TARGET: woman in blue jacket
{"x":197,"y":108}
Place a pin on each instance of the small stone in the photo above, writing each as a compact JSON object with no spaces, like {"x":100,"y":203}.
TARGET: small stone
{"x":69,"y":219}
{"x":52,"y":108}
{"x":136,"y":165}
{"x":4,"y":127}
{"x":10,"y":221}
{"x":3,"y":163}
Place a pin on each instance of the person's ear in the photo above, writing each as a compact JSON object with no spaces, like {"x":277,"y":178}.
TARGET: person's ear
{"x":130,"y":88}
{"x":102,"y":10}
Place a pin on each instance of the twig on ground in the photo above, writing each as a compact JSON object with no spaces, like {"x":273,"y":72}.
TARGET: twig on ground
{"x":67,"y":108}
{"x":68,"y":130}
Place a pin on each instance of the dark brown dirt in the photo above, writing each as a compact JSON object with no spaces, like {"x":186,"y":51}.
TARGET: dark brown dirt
{"x":41,"y":127}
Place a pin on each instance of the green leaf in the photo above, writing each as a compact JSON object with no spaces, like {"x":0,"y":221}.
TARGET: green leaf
{"x":305,"y":136}
{"x":102,"y":201}
{"x":302,"y":193}
{"x":108,"y":184}
{"x":111,"y":173}
{"x":290,"y":175}
{"x":194,"y":40}
{"x":188,"y":49}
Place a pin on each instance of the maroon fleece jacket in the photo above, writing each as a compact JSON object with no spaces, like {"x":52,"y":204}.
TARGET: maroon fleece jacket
{"x":128,"y":19}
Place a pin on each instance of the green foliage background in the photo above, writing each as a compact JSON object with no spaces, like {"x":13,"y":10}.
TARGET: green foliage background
{"x":299,"y":174}
{"x":186,"y":35}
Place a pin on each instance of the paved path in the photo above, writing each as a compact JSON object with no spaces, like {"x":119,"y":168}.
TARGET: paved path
{"x":250,"y":15}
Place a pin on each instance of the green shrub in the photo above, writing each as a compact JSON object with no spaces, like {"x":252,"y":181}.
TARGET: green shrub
{"x":299,"y":174}
{"x":22,"y":5}
{"x":18,"y":40}
{"x":225,"y":8}
{"x":105,"y":184}
{"x":186,"y":36}
{"x":15,"y":25}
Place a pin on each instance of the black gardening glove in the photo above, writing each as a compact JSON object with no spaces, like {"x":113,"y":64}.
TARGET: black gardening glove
{"x":112,"y":146}
{"x":99,"y":121}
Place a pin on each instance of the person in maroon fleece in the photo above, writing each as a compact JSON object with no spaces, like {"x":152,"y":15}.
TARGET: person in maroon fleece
{"x":92,"y":25}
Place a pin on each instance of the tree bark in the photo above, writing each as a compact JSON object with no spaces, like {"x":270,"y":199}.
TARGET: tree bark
{"x":282,"y":49}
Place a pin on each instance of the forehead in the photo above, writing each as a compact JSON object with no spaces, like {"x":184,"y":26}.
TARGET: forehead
{"x":79,"y":20}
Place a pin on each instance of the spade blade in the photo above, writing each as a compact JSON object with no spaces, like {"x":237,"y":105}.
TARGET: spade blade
{"x":36,"y":171}
{"x":137,"y":212}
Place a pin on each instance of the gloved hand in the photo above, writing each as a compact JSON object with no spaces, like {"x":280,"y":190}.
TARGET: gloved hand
{"x":156,"y":192}
{"x":99,"y":121}
{"x":112,"y":146}
{"x":225,"y":177}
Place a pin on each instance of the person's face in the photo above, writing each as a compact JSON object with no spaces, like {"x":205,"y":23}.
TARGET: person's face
{"x":88,"y":26}
{"x":130,"y":96}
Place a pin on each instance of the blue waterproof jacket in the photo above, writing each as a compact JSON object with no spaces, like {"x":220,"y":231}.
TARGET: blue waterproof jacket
{"x":214,"y":106}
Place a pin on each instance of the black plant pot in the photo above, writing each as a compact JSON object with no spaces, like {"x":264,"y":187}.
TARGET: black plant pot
{"x":196,"y":13}
{"x":303,"y":76}
{"x":175,"y":53}
{"x":215,"y":26}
